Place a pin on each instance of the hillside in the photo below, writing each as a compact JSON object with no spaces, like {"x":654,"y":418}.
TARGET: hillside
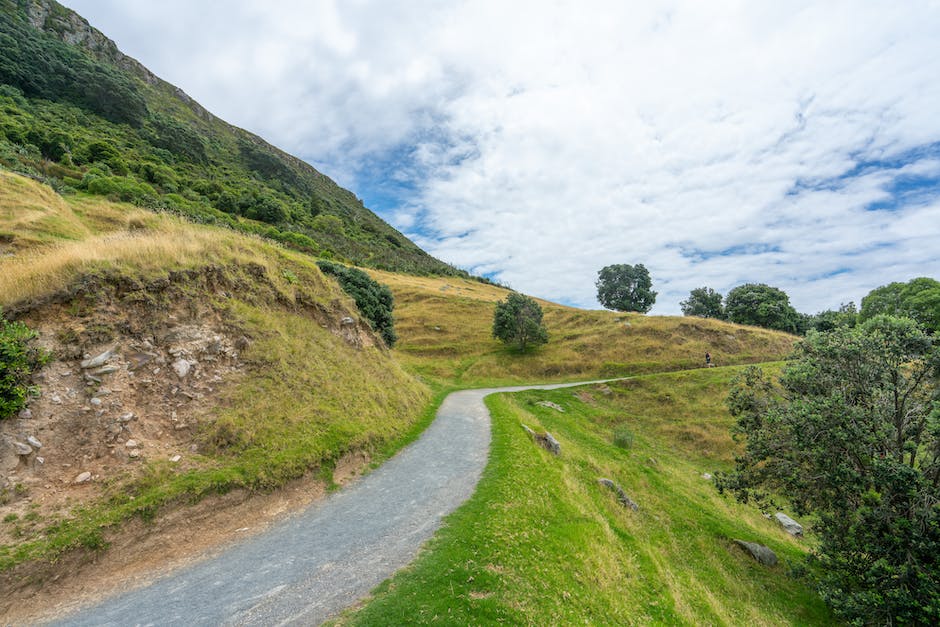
{"x":444,"y":326}
{"x":78,"y":114}
{"x":230,"y":363}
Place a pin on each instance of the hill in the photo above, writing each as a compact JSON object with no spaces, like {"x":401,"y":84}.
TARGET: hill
{"x":78,"y":114}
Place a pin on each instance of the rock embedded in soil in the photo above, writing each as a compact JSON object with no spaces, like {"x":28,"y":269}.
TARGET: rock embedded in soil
{"x":131,"y":444}
{"x":545,"y":440}
{"x":759,"y":552}
{"x":22,"y":449}
{"x":84,"y":477}
{"x":789,"y":525}
{"x":34,"y":442}
{"x":622,"y":497}
{"x":182,"y":368}
{"x":551,"y":405}
{"x":98,"y":360}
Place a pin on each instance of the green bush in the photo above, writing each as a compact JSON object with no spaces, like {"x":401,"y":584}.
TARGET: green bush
{"x":18,"y":360}
{"x":374,"y":300}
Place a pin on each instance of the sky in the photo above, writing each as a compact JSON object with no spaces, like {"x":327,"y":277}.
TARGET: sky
{"x":718,"y":143}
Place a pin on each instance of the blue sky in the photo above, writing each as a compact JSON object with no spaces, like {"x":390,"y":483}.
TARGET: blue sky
{"x":795,"y":144}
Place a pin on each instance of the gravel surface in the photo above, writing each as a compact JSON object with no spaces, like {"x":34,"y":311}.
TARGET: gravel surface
{"x":316,"y":563}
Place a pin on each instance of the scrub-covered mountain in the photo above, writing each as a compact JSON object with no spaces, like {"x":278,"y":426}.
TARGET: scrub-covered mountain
{"x":78,"y":114}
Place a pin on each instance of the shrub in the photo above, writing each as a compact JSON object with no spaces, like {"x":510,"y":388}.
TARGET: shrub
{"x":18,"y":360}
{"x":623,"y":437}
{"x":374,"y":300}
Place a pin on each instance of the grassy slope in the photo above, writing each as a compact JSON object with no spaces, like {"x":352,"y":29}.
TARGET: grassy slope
{"x":444,"y":327}
{"x":542,"y":543}
{"x":319,"y":396}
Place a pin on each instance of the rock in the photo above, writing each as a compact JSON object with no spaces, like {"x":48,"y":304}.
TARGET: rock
{"x":56,"y":399}
{"x":131,"y":444}
{"x":136,"y":360}
{"x":85,"y":477}
{"x":41,"y":460}
{"x":759,"y":552}
{"x":95,"y":401}
{"x":625,"y":500}
{"x":551,"y":405}
{"x":98,"y":361}
{"x":22,"y":449}
{"x":214,"y":347}
{"x":104,"y":370}
{"x":127,"y":417}
{"x":789,"y":525}
{"x":35,"y":443}
{"x":26,"y":414}
{"x":347,"y":321}
{"x":176,"y":458}
{"x":182,"y":368}
{"x":545,"y":440}
{"x":706,"y":476}
{"x":134,"y":454}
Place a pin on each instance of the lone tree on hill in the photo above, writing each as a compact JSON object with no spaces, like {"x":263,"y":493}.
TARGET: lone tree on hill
{"x":623,"y":287}
{"x":518,"y":320}
{"x":761,"y":305}
{"x":851,"y":433}
{"x":703,"y":302}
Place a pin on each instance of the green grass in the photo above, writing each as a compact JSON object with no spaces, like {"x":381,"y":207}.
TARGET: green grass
{"x":541,"y":543}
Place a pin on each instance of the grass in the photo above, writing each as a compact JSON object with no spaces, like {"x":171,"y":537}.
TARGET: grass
{"x":541,"y":543}
{"x":444,"y":327}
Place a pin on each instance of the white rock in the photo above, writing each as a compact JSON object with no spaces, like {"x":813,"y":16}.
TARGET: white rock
{"x":96,"y":402}
{"x":790,"y":526}
{"x":131,"y":444}
{"x":32,"y":441}
{"x":134,"y":454}
{"x":41,"y":460}
{"x":707,"y":476}
{"x":182,"y":368}
{"x":22,"y":449}
{"x":85,"y":477}
{"x":176,"y":458}
{"x":56,"y":399}
{"x":99,"y":360}
{"x":127,"y":417}
{"x":551,"y":405}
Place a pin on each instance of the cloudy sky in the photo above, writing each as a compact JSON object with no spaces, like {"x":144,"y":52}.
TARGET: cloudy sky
{"x":718,"y":143}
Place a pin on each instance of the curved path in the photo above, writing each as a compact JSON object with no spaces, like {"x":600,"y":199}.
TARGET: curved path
{"x":314,"y":564}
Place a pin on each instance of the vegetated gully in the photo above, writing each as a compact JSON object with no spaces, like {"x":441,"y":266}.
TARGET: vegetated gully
{"x":314,"y":564}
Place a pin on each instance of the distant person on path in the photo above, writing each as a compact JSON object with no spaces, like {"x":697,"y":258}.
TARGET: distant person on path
{"x":708,"y":360}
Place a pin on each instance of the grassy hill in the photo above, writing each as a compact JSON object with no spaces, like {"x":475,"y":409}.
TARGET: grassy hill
{"x":78,"y":114}
{"x":444,"y":326}
{"x":542,"y":543}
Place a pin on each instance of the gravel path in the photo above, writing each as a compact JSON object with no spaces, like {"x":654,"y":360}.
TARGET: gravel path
{"x":314,"y":564}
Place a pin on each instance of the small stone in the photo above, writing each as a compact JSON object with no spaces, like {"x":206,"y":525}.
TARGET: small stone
{"x":22,"y":449}
{"x":100,"y":360}
{"x":789,"y":525}
{"x":759,"y":552}
{"x":26,"y":414}
{"x":41,"y":460}
{"x":56,"y":399}
{"x":32,"y":441}
{"x":134,"y":454}
{"x":706,"y":476}
{"x":96,"y":401}
{"x":105,"y":370}
{"x":347,"y":321}
{"x":176,"y":458}
{"x":622,"y":497}
{"x":551,"y":405}
{"x":85,"y":477}
{"x":182,"y":368}
{"x":131,"y":444}
{"x":127,"y":417}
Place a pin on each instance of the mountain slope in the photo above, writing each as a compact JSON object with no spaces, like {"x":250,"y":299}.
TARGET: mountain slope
{"x":78,"y":114}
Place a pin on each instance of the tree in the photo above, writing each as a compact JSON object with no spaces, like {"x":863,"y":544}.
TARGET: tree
{"x":918,"y":299}
{"x":703,"y":302}
{"x":761,"y":305}
{"x":623,"y":287}
{"x":851,"y":433}
{"x":518,"y":320}
{"x":845,"y":316}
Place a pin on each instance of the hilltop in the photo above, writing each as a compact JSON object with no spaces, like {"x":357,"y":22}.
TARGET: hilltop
{"x":78,"y":114}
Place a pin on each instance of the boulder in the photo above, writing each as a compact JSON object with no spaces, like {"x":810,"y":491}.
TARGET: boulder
{"x":759,"y":552}
{"x":545,"y":440}
{"x":789,"y":525}
{"x":622,"y":497}
{"x":98,"y":361}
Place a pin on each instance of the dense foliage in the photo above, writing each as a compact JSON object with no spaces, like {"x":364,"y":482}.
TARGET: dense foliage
{"x":918,"y":299}
{"x":82,"y":117}
{"x":703,"y":302}
{"x":623,"y":287}
{"x":374,"y":300}
{"x":761,"y":305}
{"x":851,"y":433}
{"x":518,"y":320}
{"x":19,"y":358}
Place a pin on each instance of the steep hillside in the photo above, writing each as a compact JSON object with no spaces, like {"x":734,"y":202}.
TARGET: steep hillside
{"x":444,"y":327}
{"x":78,"y":114}
{"x":223,"y":362}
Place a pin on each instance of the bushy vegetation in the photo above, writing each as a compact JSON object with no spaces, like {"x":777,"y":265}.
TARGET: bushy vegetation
{"x":851,"y":433}
{"x":19,"y":358}
{"x":918,"y":299}
{"x":623,"y":287}
{"x":761,"y":305}
{"x":518,"y":320}
{"x":703,"y":302}
{"x":374,"y":300}
{"x":90,"y":120}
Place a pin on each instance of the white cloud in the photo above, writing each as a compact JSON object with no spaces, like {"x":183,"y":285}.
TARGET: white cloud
{"x":543,"y":141}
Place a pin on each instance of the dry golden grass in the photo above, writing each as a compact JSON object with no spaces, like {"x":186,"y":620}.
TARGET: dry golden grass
{"x":444,"y":328}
